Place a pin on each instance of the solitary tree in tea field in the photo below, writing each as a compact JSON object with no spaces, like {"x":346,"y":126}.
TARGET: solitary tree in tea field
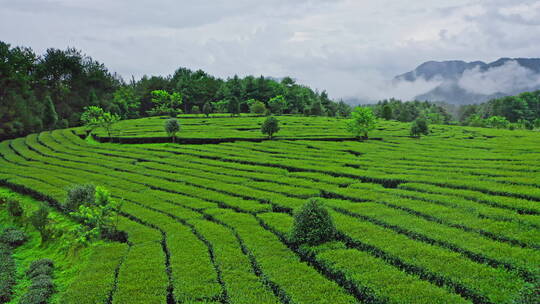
{"x":362,"y":121}
{"x":172,"y":127}
{"x":270,"y":126}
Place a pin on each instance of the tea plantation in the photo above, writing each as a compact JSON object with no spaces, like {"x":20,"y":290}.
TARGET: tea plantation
{"x":452,"y":217}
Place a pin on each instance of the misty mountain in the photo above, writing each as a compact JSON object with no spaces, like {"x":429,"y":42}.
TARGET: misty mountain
{"x":460,"y":82}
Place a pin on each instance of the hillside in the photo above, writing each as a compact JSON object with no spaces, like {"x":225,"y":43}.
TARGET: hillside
{"x":452,"y":217}
{"x":460,"y":82}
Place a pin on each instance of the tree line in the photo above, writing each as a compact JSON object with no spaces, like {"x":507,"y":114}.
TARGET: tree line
{"x":520,"y":111}
{"x":513,"y":112}
{"x":52,"y":90}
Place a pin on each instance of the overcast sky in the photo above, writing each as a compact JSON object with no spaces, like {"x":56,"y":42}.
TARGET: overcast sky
{"x":349,"y":48}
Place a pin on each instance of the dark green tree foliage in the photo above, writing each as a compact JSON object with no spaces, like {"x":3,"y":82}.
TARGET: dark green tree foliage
{"x":7,"y":273}
{"x":195,"y":110}
{"x":522,"y":107}
{"x":387,"y":112}
{"x":14,"y":208}
{"x":234,"y":106}
{"x":74,"y":81}
{"x":316,"y":108}
{"x":277,"y":104}
{"x":313,"y":225}
{"x":125,"y":102}
{"x":172,"y":127}
{"x":78,"y":195}
{"x":50,"y":118}
{"x":419,"y":127}
{"x":411,"y":110}
{"x":270,"y":126}
{"x":207,"y":109}
{"x":40,"y":221}
{"x":343,"y":109}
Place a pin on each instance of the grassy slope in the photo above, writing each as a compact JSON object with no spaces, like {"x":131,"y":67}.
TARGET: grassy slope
{"x":67,"y":262}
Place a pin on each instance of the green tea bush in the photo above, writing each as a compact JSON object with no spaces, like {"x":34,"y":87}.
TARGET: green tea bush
{"x":14,"y":208}
{"x":313,"y":224}
{"x":40,"y":267}
{"x":7,"y":273}
{"x":530,"y":294}
{"x":13,"y":237}
{"x":42,"y":287}
{"x":79,"y":195}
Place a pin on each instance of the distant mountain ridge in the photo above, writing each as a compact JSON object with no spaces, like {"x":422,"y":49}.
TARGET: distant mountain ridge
{"x":457,"y":79}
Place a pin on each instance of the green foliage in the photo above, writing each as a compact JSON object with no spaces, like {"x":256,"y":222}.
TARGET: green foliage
{"x":387,"y":112}
{"x":257,"y":107}
{"x":13,"y":237}
{"x":536,"y":123}
{"x":362,"y":122}
{"x":126,"y":103}
{"x":91,"y":117}
{"x":277,"y":105}
{"x":97,"y":216}
{"x":50,"y":117}
{"x":343,"y":109}
{"x":94,"y":117}
{"x":40,"y":267}
{"x":165,"y":103}
{"x":172,"y":127}
{"x":530,"y":294}
{"x":419,"y":127}
{"x":497,"y":122}
{"x":270,"y":126}
{"x":316,"y":109}
{"x":39,"y":90}
{"x":42,"y":287}
{"x":14,"y":208}
{"x":233,"y":106}
{"x":195,"y":110}
{"x":40,"y":220}
{"x":313,"y":225}
{"x":78,"y":195}
{"x":107,"y":121}
{"x":7,"y":273}
{"x":221,"y":106}
{"x":410,"y":110}
{"x":476,"y":121}
{"x":207,"y":109}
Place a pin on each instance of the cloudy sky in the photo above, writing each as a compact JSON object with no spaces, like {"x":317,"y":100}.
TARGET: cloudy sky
{"x":349,"y":47}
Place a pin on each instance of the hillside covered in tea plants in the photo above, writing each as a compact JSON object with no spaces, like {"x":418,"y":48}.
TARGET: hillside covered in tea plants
{"x":452,"y":217}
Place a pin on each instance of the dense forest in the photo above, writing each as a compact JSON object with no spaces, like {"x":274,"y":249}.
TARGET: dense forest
{"x":41,"y":92}
{"x":520,"y":111}
{"x":48,"y":91}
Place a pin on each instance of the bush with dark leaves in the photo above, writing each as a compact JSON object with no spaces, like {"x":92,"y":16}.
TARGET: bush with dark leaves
{"x":42,"y":287}
{"x":13,"y":237}
{"x":7,"y":273}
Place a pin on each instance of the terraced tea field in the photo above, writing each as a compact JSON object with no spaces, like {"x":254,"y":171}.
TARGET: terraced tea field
{"x":453,"y":217}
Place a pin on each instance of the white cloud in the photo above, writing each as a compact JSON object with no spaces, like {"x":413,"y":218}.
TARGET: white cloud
{"x":502,"y":79}
{"x":349,"y":47}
